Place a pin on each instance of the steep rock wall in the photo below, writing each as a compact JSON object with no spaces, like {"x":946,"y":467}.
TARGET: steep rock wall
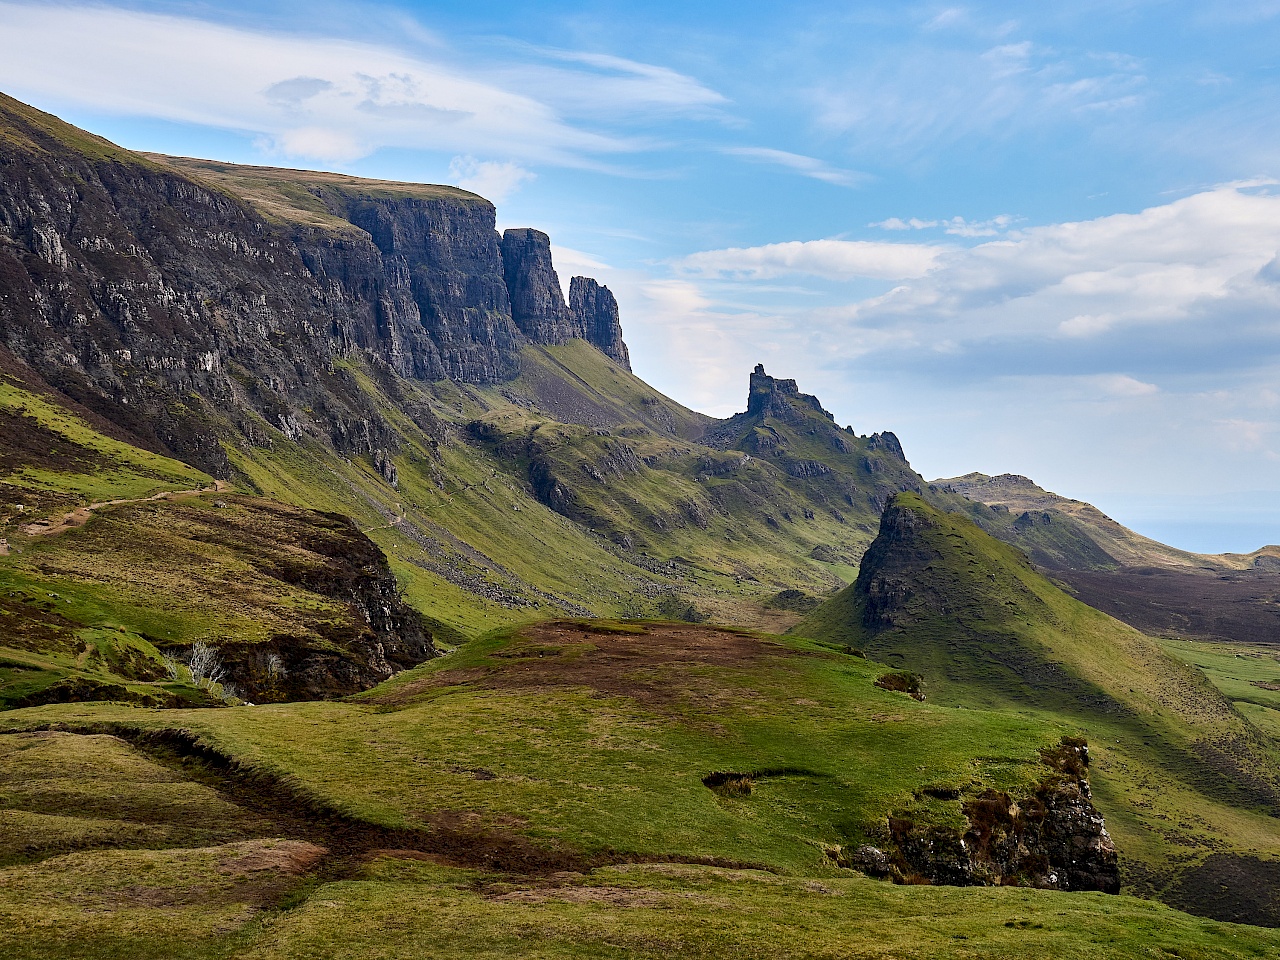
{"x":594,"y":310}
{"x":537,"y":302}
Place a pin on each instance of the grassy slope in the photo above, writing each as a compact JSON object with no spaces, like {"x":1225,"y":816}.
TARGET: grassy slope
{"x":102,"y":602}
{"x":54,"y":457}
{"x":15,"y":116}
{"x":609,"y":757}
{"x":677,"y":524}
{"x":299,"y":196}
{"x":1019,"y":495}
{"x":1180,"y":773}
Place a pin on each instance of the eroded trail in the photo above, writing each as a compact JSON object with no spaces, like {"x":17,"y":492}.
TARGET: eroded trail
{"x":80,"y":515}
{"x":164,"y":766}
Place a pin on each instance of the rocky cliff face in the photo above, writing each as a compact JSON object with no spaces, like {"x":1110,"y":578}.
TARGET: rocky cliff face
{"x":1052,"y":838}
{"x":771,"y":397}
{"x":594,"y":310}
{"x":172,"y":306}
{"x":379,"y":635}
{"x":537,"y":302}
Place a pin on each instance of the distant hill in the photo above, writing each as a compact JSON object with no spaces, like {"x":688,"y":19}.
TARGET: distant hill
{"x":1152,"y":586}
{"x":1022,"y":497}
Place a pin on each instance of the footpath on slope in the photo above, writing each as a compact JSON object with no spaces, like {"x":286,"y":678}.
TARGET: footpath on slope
{"x":80,"y":515}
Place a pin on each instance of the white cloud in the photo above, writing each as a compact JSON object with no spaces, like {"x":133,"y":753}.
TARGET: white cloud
{"x":321,"y":144}
{"x":328,"y":99}
{"x":807,"y":166}
{"x":1122,"y":385}
{"x":830,"y":259}
{"x":955,"y":226}
{"x":1247,"y":435}
{"x":950,"y":17}
{"x":1195,"y":261}
{"x":492,"y":180}
{"x":616,"y":86}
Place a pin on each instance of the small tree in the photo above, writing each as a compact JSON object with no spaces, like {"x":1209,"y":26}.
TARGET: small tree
{"x":205,"y":664}
{"x":275,"y":666}
{"x":171,"y":666}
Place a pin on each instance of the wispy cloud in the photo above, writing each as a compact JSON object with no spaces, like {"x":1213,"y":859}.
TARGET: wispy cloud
{"x":924,"y":96}
{"x":333,"y":100}
{"x":955,"y":226}
{"x":806,"y":166}
{"x":492,"y":180}
{"x":830,"y":259}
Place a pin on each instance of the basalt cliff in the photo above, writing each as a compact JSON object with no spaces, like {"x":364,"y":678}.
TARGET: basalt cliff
{"x":192,"y":302}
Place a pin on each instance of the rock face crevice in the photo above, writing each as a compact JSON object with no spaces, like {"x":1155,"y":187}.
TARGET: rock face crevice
{"x":537,"y":301}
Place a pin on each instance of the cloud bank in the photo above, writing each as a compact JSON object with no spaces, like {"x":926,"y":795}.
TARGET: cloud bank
{"x":333,"y":101}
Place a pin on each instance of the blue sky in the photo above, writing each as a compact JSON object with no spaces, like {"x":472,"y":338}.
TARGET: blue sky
{"x":1042,"y":241}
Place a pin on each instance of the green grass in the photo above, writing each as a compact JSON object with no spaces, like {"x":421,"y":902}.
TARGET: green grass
{"x":597,"y":771}
{"x":101,"y":602}
{"x":89,"y":466}
{"x":575,"y":767}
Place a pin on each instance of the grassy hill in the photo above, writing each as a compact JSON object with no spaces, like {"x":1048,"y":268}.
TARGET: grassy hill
{"x":611,"y":758}
{"x":1182,"y":775}
{"x":568,"y":789}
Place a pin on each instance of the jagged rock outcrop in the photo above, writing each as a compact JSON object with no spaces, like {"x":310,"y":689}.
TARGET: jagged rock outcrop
{"x":1052,"y":838}
{"x":537,"y":301}
{"x":770,"y":397}
{"x":378,"y":636}
{"x":594,"y":310}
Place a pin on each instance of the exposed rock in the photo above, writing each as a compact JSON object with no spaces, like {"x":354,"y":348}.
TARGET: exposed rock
{"x":806,"y":468}
{"x":886,"y":441}
{"x":380,"y":636}
{"x":902,"y":681}
{"x":160,"y":300}
{"x":1053,"y":838}
{"x":537,"y":301}
{"x":770,"y":397}
{"x":594,"y":310}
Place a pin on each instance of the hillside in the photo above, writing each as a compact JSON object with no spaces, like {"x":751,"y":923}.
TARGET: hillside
{"x":1186,"y":782}
{"x":1031,"y":503}
{"x":632,"y":789}
{"x":1149,"y":585}
{"x":357,"y":599}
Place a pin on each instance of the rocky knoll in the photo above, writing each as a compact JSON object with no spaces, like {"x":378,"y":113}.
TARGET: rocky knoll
{"x":1052,"y":838}
{"x":185,"y":300}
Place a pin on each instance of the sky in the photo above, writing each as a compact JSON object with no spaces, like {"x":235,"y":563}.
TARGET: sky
{"x":1036,"y":241}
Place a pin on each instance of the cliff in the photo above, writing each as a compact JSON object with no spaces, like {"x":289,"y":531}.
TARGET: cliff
{"x":191,"y":301}
{"x":594,"y":311}
{"x":537,"y":302}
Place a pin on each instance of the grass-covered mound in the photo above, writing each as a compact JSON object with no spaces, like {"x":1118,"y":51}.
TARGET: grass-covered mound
{"x":292,"y":604}
{"x":1179,"y":772}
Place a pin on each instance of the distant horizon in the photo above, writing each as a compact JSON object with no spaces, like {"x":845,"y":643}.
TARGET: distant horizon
{"x":1044,"y":242}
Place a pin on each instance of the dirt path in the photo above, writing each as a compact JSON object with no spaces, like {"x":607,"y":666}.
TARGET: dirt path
{"x":80,"y":515}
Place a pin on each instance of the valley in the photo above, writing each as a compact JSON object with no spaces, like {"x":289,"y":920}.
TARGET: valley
{"x":356,"y":598}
